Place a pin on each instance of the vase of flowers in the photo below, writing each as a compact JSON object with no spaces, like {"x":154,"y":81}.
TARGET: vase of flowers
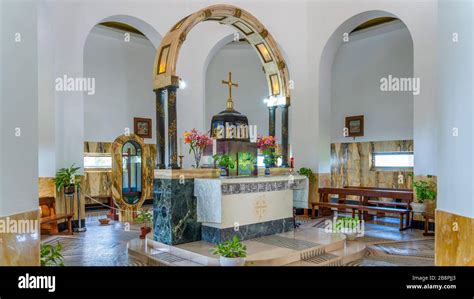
{"x":197,"y":143}
{"x":267,"y":145}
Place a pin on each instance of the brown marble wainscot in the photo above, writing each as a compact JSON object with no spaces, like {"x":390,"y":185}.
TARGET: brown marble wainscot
{"x":21,"y":248}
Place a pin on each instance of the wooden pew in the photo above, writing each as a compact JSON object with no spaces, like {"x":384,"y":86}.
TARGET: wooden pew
{"x":365,"y":193}
{"x":49,"y":219}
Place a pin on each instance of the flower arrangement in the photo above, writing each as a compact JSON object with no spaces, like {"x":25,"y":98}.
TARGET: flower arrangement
{"x":197,"y":143}
{"x":267,"y":145}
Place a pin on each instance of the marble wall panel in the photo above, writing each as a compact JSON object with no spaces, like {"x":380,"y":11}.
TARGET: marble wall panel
{"x":454,"y":240}
{"x":351,"y":165}
{"x":22,"y":247}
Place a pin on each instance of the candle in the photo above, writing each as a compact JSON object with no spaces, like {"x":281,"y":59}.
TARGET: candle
{"x":292,"y":161}
{"x":180,"y":146}
{"x":214,"y":147}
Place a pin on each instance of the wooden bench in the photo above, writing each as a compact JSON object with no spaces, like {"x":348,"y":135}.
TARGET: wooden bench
{"x":362,"y":208}
{"x":49,"y":219}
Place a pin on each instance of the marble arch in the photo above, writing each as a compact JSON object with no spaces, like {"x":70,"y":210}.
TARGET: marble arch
{"x":166,"y":80}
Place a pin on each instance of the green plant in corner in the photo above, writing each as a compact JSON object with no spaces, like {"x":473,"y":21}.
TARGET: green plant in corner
{"x":51,"y":255}
{"x":66,"y":178}
{"x":424,"y":191}
{"x":231,"y":248}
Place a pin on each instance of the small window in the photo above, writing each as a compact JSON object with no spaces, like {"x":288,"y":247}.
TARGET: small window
{"x":393,"y":160}
{"x":97,"y":161}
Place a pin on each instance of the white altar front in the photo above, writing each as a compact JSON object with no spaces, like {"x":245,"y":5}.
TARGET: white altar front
{"x":250,"y":207}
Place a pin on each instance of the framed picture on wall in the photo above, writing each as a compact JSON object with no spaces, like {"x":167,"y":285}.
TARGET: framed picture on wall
{"x":142,"y":127}
{"x":354,"y":126}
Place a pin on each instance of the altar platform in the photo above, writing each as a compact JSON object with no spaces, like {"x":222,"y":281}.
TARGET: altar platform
{"x":306,"y":246}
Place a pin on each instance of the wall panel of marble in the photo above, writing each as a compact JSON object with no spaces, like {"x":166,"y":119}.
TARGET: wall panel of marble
{"x":351,"y":165}
{"x":454,"y":240}
{"x":20,"y":239}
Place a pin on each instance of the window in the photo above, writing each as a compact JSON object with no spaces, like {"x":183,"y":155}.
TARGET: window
{"x":97,"y":161}
{"x":392,"y":160}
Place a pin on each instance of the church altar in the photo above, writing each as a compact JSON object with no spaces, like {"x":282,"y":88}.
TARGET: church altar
{"x":249,"y":207}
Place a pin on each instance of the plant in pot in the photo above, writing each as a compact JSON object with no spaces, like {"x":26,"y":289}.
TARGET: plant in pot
{"x":231,"y":252}
{"x":225,"y":162}
{"x":425,"y":197}
{"x":348,"y":226}
{"x":51,"y":255}
{"x":145,"y":217}
{"x":66,"y":179}
{"x":267,"y":145}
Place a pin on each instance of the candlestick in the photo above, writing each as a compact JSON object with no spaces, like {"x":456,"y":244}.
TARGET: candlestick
{"x":214,"y":147}
{"x":180,"y":146}
{"x":180,"y":161}
{"x":292,"y":161}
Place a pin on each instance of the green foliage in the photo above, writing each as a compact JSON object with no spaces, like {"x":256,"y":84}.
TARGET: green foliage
{"x":51,"y":255}
{"x":347,"y":222}
{"x":231,"y":248}
{"x":270,"y":158}
{"x":224,"y":161}
{"x":307,"y":172}
{"x":144,"y":216}
{"x":424,"y":191}
{"x":66,"y":177}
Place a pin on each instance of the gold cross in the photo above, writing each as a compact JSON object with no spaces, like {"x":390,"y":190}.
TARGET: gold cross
{"x":230,"y":84}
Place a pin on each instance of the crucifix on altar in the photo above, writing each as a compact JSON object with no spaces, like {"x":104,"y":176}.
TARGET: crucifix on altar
{"x":230,"y":84}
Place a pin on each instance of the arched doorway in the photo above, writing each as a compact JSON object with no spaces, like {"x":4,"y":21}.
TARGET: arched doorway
{"x":166,"y":80}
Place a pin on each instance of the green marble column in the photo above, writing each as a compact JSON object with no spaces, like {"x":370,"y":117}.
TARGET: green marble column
{"x":172,"y":128}
{"x":284,"y":135}
{"x":160,"y":128}
{"x":271,"y":120}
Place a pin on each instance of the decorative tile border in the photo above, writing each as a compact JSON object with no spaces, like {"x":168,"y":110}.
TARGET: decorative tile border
{"x":240,"y":188}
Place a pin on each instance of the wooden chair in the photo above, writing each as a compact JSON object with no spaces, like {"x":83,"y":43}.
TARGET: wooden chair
{"x":49,"y":219}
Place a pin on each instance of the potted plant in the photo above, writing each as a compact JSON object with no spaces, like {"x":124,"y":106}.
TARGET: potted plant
{"x":225,"y":162}
{"x":144,"y":217}
{"x":66,"y":179}
{"x":51,"y":255}
{"x":348,"y":226}
{"x":231,"y":252}
{"x":197,"y":143}
{"x":267,"y":145}
{"x":425,"y":197}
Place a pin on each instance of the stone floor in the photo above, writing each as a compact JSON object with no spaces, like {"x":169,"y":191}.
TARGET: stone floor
{"x":106,"y":245}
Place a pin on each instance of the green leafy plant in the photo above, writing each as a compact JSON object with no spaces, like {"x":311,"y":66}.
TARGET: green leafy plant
{"x":224,"y":161}
{"x":51,"y":255}
{"x":66,"y":177}
{"x":144,"y":216}
{"x":231,"y":248}
{"x":424,"y":191}
{"x":307,"y":172}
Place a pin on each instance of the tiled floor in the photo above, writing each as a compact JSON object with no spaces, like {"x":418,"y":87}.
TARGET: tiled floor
{"x":387,"y":246}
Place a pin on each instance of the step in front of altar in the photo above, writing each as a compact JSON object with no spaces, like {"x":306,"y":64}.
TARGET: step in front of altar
{"x":309,"y":247}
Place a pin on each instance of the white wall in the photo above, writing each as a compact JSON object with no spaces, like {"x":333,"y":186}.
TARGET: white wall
{"x":18,"y":108}
{"x":359,"y":65}
{"x":122,"y":72}
{"x":242,"y":60}
{"x":456,"y":109}
{"x":301,"y":28}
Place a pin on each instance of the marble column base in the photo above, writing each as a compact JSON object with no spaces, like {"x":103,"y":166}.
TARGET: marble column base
{"x":174,"y":212}
{"x":246,"y":232}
